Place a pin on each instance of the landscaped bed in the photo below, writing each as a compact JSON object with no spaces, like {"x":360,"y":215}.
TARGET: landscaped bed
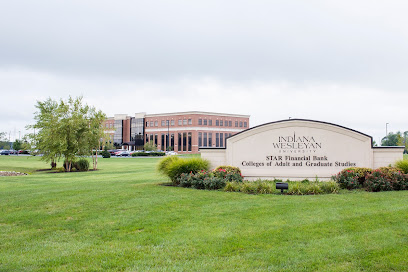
{"x":119,"y":219}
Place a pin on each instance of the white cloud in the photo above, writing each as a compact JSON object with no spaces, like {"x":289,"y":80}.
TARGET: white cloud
{"x":363,"y":109}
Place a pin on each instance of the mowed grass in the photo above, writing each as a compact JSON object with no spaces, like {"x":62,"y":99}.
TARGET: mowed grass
{"x":120,"y":219}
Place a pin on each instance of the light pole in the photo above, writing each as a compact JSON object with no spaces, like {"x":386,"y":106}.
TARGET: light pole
{"x":386,"y":129}
{"x":168,"y":133}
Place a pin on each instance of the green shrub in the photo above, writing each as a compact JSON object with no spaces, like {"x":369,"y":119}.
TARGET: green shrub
{"x":201,"y":180}
{"x":386,"y":179}
{"x":265,"y":187}
{"x":60,"y":169}
{"x":329,"y":187}
{"x":249,"y":187}
{"x":403,"y":165}
{"x":82,"y":165}
{"x":232,"y":174}
{"x":297,"y":188}
{"x":164,"y":163}
{"x":352,"y":178}
{"x":105,"y":154}
{"x":229,"y":169}
{"x":232,"y":186}
{"x":145,"y":154}
{"x":190,"y":165}
{"x":140,"y":154}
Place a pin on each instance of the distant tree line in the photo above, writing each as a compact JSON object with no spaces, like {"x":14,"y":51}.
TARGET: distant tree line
{"x":396,"y":139}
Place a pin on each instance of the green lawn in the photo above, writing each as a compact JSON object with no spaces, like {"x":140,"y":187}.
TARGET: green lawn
{"x":120,"y":219}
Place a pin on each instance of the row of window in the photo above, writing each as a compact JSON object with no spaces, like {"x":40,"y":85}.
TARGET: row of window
{"x":205,"y":122}
{"x":221,"y":123}
{"x":206,"y":139}
{"x":165,"y":123}
{"x":184,"y":141}
{"x":108,"y":125}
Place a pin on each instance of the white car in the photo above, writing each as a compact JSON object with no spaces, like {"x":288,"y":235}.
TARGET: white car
{"x":170,"y":153}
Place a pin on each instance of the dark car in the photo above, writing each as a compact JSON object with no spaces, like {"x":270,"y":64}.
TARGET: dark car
{"x":5,"y":152}
{"x":122,"y":154}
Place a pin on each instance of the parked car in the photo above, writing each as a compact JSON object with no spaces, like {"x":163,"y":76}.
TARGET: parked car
{"x":5,"y":152}
{"x":170,"y":153}
{"x":113,"y":152}
{"x":123,"y":153}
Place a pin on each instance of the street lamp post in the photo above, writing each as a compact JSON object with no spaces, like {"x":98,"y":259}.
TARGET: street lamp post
{"x":386,"y":129}
{"x":168,"y":134}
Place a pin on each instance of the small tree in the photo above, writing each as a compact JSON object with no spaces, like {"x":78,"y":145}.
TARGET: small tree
{"x":17,"y":145}
{"x":150,"y":146}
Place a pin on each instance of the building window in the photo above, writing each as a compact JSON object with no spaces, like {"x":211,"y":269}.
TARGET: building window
{"x":189,"y":141}
{"x":200,"y":139}
{"x":156,"y":124}
{"x":240,"y":124}
{"x":151,"y":123}
{"x":162,"y":142}
{"x":221,"y":139}
{"x":162,"y":123}
{"x":221,"y":123}
{"x":230,"y":123}
{"x":180,"y":123}
{"x":210,"y":139}
{"x":147,"y":124}
{"x":205,"y":122}
{"x":245,"y":124}
{"x":172,"y":142}
{"x":217,"y":122}
{"x":190,"y":121}
{"x":217,"y":139}
{"x":236,"y":123}
{"x":200,"y":122}
{"x":210,"y":122}
{"x":179,"y":142}
{"x":118,"y":135}
{"x":172,"y":122}
{"x":205,"y":139}
{"x":184,"y":141}
{"x":185,"y":122}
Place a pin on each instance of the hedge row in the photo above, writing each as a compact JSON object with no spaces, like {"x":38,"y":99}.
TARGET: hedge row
{"x":381,"y":179}
{"x":304,"y":187}
{"x":145,"y":154}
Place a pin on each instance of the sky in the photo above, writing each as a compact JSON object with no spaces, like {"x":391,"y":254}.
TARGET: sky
{"x":343,"y":62}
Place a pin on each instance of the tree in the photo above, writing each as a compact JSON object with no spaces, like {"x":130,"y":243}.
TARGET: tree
{"x":67,"y":129}
{"x":95,"y":134}
{"x":150,"y":146}
{"x":392,"y":139}
{"x":4,"y":143}
{"x":17,"y":145}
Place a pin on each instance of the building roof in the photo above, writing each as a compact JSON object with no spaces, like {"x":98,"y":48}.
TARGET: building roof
{"x":197,"y":113}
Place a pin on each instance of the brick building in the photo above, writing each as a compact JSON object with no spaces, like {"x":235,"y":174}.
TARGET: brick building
{"x":183,"y":132}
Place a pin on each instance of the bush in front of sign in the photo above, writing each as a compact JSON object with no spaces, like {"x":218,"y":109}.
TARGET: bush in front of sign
{"x":201,"y":180}
{"x":175,"y":167}
{"x":295,"y":187}
{"x":228,"y":173}
{"x":403,"y":165}
{"x":386,"y":179}
{"x":352,"y":178}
